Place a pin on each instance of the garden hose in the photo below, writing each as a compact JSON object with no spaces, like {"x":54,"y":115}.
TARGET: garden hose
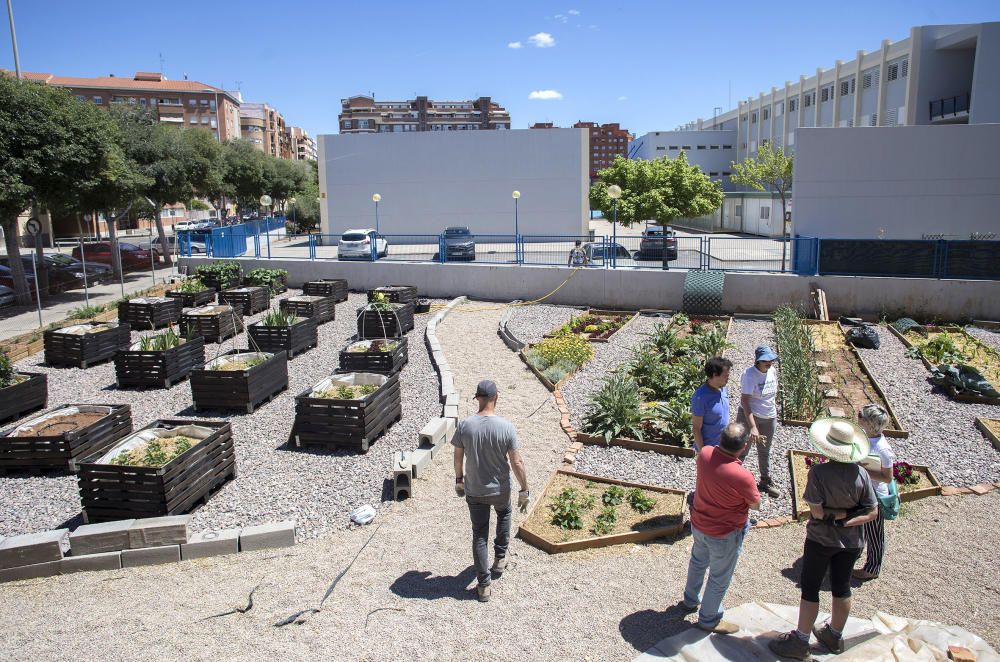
{"x":508,"y":305}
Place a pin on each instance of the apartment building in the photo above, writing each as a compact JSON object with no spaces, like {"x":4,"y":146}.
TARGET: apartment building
{"x":264,"y":128}
{"x":607,"y":141}
{"x":363,"y":114}
{"x":302,"y":146}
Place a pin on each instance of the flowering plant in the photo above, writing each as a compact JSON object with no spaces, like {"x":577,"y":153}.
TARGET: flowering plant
{"x":904,"y":474}
{"x":812,"y":461}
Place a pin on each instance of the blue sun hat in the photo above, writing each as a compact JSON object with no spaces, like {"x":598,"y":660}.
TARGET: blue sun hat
{"x":765,"y":353}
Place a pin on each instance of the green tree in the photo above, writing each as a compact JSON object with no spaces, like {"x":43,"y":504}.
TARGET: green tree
{"x":243,"y":173}
{"x":769,"y":171}
{"x":663,"y":190}
{"x":284,"y":178}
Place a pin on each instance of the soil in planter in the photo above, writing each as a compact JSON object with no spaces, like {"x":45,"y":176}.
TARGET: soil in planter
{"x":82,"y":330}
{"x":155,"y":452}
{"x":668,"y":510}
{"x":58,"y":425}
{"x":854,"y":388}
{"x":978,"y":355}
{"x":239,"y":366}
{"x":369,"y":346}
{"x":801,"y":471}
{"x":346,"y":392}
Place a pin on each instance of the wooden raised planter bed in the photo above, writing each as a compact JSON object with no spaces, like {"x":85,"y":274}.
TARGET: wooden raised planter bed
{"x":109,"y":491}
{"x":28,"y":395}
{"x":546,"y":382}
{"x":620,"y":319}
{"x":665,"y":519}
{"x":224,"y":384}
{"x":147,"y":313}
{"x":83,"y":345}
{"x":368,"y":360}
{"x":395,"y":293}
{"x":308,"y":305}
{"x":636,"y":445}
{"x":385,"y":323}
{"x":247,"y":300}
{"x":193,"y":299}
{"x":797,"y":468}
{"x":990,"y":428}
{"x":214,"y":322}
{"x":332,"y":422}
{"x":293,"y":339}
{"x":159,"y":369}
{"x":992,"y":376}
{"x":59,"y":438}
{"x":333,"y":287}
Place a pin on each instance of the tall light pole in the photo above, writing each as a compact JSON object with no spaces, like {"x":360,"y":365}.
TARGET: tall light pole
{"x":376,"y":198}
{"x":291,"y":201}
{"x":517,"y":244}
{"x":13,"y":39}
{"x":615,"y":192}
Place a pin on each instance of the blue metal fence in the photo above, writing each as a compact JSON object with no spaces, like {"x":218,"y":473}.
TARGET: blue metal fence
{"x":906,"y":258}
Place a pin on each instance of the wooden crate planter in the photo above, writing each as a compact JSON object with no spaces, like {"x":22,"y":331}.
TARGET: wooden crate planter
{"x":62,"y":446}
{"x":951,"y":390}
{"x":246,"y":389}
{"x":666,"y":518}
{"x":308,"y":305}
{"x":333,"y":287}
{"x":990,"y":428}
{"x":618,"y":318}
{"x":395,"y":293}
{"x":214,"y":322}
{"x":159,"y":369}
{"x":636,"y":445}
{"x":147,"y":313}
{"x":352,"y":360}
{"x":293,"y":339}
{"x":385,"y":323}
{"x":247,"y":300}
{"x":109,"y":491}
{"x":332,"y":422}
{"x":193,"y":299}
{"x":84,"y":345}
{"x":27,"y":395}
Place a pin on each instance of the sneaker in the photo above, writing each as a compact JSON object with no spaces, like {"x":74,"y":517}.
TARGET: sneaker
{"x":789,"y":645}
{"x":484,"y":592}
{"x":722,"y":627}
{"x":863,"y":574}
{"x":499,"y":565}
{"x":833,"y":643}
{"x":768,"y":488}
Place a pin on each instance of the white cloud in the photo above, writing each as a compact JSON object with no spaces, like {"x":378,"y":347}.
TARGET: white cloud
{"x":562,"y":18}
{"x":514,"y":44}
{"x":573,"y":12}
{"x":542,"y":40}
{"x":545,"y":95}
{"x":623,"y":98}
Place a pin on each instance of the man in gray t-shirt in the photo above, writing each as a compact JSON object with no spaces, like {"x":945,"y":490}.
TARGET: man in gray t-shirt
{"x":485,"y":452}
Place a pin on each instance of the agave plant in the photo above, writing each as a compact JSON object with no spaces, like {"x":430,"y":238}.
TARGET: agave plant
{"x":279,"y":318}
{"x":616,"y":410}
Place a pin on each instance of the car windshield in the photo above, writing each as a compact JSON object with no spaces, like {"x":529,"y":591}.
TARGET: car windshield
{"x":128,"y":247}
{"x":58,"y":258}
{"x":457,"y":231}
{"x":354,"y":236}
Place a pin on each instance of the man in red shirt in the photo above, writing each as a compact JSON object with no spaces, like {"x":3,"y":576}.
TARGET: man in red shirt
{"x":724,"y":493}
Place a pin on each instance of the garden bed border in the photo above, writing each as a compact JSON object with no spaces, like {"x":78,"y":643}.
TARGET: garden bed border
{"x":636,"y":445}
{"x":987,"y":432}
{"x":628,"y":314}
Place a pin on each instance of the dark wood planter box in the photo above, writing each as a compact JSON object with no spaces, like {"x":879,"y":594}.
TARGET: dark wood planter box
{"x":216,"y":327}
{"x":278,"y":288}
{"x":29,"y":395}
{"x":159,"y":369}
{"x":293,"y":339}
{"x":218,"y":285}
{"x":239,"y":389}
{"x":63,"y":450}
{"x":334,"y":287}
{"x":321,"y":308}
{"x":385,"y":363}
{"x":385,"y":323}
{"x":110,"y":492}
{"x":85,"y":349}
{"x":248,"y":300}
{"x":331,"y":422}
{"x":396,"y":293}
{"x":193,"y":299}
{"x":150,"y":313}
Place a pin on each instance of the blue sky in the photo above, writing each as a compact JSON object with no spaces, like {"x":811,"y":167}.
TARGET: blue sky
{"x":648,"y":65}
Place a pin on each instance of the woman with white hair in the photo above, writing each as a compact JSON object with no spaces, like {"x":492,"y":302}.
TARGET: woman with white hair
{"x":873,"y":420}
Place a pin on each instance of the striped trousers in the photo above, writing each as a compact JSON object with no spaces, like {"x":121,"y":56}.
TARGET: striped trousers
{"x":874,"y":532}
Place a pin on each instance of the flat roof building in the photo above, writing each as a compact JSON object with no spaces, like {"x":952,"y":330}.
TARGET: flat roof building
{"x":303,"y":147}
{"x":363,"y":114}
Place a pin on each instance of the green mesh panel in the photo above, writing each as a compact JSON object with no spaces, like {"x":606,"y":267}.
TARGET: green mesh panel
{"x":703,"y":292}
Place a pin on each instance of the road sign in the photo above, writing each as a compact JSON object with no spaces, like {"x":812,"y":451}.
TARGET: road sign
{"x":33,"y":226}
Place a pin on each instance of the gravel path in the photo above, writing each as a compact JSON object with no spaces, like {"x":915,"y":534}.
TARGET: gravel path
{"x":530,"y":323}
{"x":317,"y":489}
{"x":987,"y":336}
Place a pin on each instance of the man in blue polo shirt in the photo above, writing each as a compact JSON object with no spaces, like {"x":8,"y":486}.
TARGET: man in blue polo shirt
{"x":710,"y":404}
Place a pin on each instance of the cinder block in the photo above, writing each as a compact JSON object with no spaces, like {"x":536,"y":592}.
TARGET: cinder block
{"x":420,"y":460}
{"x":451,"y":411}
{"x":402,"y":472}
{"x":451,"y":424}
{"x":103,"y":537}
{"x":34,"y":548}
{"x":211,"y":543}
{"x":451,"y":398}
{"x":133,"y":558}
{"x":89,"y":562}
{"x":433,"y":432}
{"x":47,"y":569}
{"x":267,"y":536}
{"x":157,"y":531}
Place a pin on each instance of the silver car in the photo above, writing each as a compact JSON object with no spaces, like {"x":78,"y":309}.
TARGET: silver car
{"x":357,"y":244}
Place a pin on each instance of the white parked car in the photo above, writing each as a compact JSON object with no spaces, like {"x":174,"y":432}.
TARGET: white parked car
{"x":358,"y":244}
{"x":183,"y":226}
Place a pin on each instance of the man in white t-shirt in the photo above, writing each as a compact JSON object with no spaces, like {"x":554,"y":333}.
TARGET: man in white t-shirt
{"x":759,"y":389}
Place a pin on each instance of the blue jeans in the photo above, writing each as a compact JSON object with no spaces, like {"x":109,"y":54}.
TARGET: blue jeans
{"x":718,"y":556}
{"x":479,"y":512}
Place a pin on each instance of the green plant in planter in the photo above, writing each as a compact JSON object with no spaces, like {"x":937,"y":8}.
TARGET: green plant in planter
{"x":367,"y":389}
{"x":278,"y":318}
{"x":941,"y":349}
{"x":272,"y":279}
{"x":8,"y":376}
{"x":161,"y":341}
{"x":225,"y":273}
{"x":672,"y":421}
{"x":640,"y":501}
{"x":613,"y":496}
{"x":567,"y":511}
{"x":801,"y":395}
{"x":192,"y":285}
{"x":380,"y":302}
{"x":616,"y":410}
{"x":605,"y":522}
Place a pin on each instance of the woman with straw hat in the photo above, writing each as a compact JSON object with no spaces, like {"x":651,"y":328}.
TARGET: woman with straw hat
{"x":841,"y":500}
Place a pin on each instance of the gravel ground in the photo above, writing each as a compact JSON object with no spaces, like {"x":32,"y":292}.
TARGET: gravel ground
{"x":988,"y":336}
{"x":317,"y":489}
{"x":530,"y":323}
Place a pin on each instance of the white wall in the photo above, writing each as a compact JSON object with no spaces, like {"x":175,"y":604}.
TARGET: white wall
{"x":430,"y":180}
{"x":657,"y":144}
{"x":911,"y":181}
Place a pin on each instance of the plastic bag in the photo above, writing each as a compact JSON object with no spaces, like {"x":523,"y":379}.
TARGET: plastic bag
{"x":864,"y":336}
{"x":965,"y":379}
{"x":889,"y":505}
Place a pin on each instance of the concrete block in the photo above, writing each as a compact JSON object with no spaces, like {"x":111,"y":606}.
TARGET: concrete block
{"x":451,"y":424}
{"x":103,"y":537}
{"x":267,"y":536}
{"x":134,"y":558}
{"x":434,"y":431}
{"x":402,"y":473}
{"x":825,"y":379}
{"x":89,"y":562}
{"x":451,"y":411}
{"x":47,"y":569}
{"x":420,"y":460}
{"x":837,"y":412}
{"x":211,"y":543}
{"x":157,"y":531}
{"x":34,"y":548}
{"x":451,"y":398}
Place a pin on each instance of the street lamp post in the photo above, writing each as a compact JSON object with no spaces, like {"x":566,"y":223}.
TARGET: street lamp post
{"x":517,"y":243}
{"x":376,"y":198}
{"x":291,"y":201}
{"x":615,"y":192}
{"x":13,"y":40}
{"x":265,"y":201}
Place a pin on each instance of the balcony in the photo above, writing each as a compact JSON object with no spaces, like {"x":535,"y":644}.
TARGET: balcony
{"x":951,"y":110}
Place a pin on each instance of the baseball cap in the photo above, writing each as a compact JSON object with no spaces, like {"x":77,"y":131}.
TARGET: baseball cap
{"x":486,"y":389}
{"x":765,"y":353}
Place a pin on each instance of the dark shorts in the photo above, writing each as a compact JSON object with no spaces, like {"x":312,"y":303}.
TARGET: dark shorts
{"x":817,"y":559}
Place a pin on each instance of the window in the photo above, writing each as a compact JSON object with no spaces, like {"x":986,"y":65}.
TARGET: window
{"x":727,"y":147}
{"x":98,"y":100}
{"x":204,"y":119}
{"x":892,"y":72}
{"x":80,"y":97}
{"x":793,"y":105}
{"x":713,"y":174}
{"x":826,"y":94}
{"x":807,"y":100}
{"x":685,"y":146}
{"x":364,"y":124}
{"x":673,"y":147}
{"x":170,"y":101}
{"x":767,"y":114}
{"x":845,"y":88}
{"x":192,"y":102}
{"x":714,"y":147}
{"x":726,"y":173}
{"x":739,"y":211}
{"x":874,"y":120}
{"x":765,"y":213}
{"x":215,"y":124}
{"x":347,"y":124}
{"x":204,"y":102}
{"x":869,"y":79}
{"x":211,"y":105}
{"x":904,"y":68}
{"x":142,"y":102}
{"x":660,"y":148}
{"x":753,"y":117}
{"x":193,"y":119}
{"x":701,"y":147}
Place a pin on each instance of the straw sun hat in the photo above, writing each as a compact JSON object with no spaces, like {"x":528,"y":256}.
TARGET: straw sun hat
{"x":839,"y":439}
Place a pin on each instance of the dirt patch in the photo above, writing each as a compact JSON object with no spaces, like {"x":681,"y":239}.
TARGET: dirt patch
{"x":57,"y":425}
{"x":854,"y":389}
{"x":668,"y":510}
